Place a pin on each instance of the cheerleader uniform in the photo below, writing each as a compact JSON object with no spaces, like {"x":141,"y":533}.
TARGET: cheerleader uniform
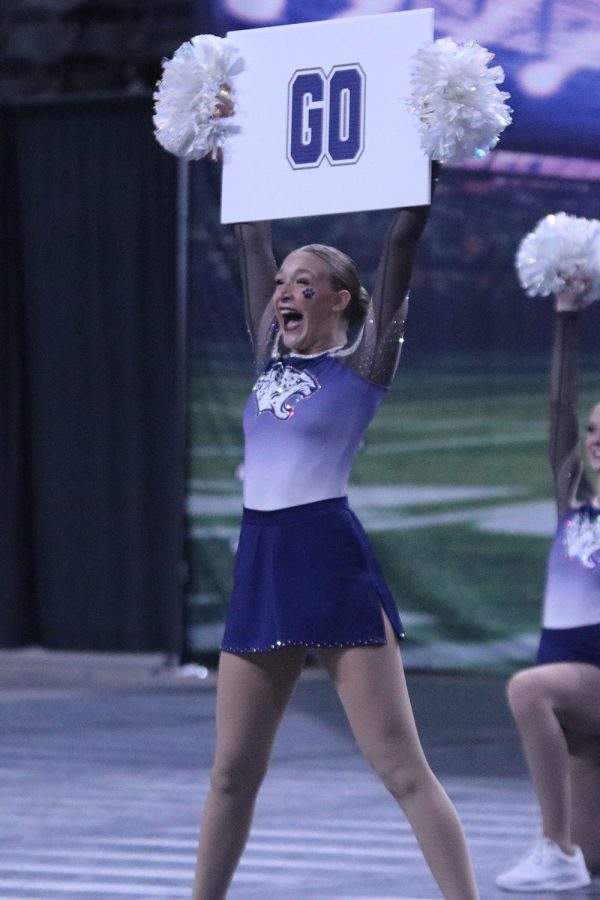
{"x":305,"y":572}
{"x":571,"y":617}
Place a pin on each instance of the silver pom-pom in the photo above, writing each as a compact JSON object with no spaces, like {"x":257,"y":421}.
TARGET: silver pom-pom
{"x":455,"y":96}
{"x":561,"y":253}
{"x":195,"y":97}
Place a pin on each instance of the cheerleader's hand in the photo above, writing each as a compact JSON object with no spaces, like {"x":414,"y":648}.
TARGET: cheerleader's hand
{"x":224,"y":103}
{"x":195,"y":98}
{"x":570,"y":299}
{"x":223,"y":110}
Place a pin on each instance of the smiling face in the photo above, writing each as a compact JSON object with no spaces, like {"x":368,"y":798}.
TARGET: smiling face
{"x":592,"y":440}
{"x":310,"y":313}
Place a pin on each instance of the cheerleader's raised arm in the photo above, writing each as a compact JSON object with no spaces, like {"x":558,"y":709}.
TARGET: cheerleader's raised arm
{"x":378,"y":353}
{"x":568,"y":477}
{"x":258,"y":268}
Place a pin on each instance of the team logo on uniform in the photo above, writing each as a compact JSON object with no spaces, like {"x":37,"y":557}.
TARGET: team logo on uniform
{"x":281,"y":388}
{"x":582,"y":539}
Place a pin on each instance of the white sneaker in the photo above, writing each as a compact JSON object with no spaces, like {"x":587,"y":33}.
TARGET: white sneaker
{"x":546,"y":868}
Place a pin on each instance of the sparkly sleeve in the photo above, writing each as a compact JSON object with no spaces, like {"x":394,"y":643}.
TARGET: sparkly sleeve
{"x":258,"y":268}
{"x":565,"y":454}
{"x":376,"y":357}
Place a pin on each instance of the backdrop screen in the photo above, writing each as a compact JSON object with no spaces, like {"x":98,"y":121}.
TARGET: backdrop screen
{"x":549,"y":49}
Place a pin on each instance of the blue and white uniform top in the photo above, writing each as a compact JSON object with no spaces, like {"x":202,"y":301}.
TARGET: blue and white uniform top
{"x":306,"y":414}
{"x":303,"y":423}
{"x":573,"y":581}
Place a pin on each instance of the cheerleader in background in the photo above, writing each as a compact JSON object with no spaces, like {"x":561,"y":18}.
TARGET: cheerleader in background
{"x":556,"y":704}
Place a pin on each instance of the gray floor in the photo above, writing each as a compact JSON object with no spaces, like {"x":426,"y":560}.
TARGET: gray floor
{"x":104,"y":764}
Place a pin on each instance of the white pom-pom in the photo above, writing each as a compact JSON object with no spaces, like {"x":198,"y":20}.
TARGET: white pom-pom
{"x":198,"y":78}
{"x":455,"y":95}
{"x":561,"y":253}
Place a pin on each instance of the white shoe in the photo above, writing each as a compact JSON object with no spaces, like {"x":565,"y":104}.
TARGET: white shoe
{"x":546,"y":868}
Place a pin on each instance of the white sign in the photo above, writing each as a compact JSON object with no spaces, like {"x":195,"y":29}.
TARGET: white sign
{"x":324,"y":121}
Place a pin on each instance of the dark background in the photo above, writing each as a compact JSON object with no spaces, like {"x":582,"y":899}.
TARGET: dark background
{"x":91,"y":380}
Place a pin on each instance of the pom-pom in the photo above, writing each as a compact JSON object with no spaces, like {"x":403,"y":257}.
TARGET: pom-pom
{"x":561,"y":253}
{"x":195,"y":97}
{"x":456,"y":97}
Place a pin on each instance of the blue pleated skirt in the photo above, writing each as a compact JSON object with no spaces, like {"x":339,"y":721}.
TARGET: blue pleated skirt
{"x":306,"y":576}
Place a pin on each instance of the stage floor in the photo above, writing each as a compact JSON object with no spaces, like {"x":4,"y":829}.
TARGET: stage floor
{"x":104,"y":764}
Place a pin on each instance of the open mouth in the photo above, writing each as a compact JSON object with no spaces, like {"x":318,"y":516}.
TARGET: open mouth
{"x":290,"y":319}
{"x":593,"y":456}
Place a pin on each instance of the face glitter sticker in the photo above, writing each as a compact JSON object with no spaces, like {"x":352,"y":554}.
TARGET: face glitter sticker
{"x":308,"y":293}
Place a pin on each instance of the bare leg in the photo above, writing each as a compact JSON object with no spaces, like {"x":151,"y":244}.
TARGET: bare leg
{"x":548,"y":702}
{"x":371,"y":685}
{"x":252,"y":693}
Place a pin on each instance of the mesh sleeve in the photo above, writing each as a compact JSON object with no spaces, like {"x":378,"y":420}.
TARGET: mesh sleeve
{"x":564,"y":449}
{"x":258,"y":269}
{"x":376,"y":357}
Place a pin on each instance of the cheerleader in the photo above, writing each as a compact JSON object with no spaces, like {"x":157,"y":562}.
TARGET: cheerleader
{"x":556,"y":704}
{"x":306,"y":576}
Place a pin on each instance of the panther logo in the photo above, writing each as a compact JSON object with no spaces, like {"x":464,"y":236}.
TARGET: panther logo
{"x":281,"y":387}
{"x":582,"y":539}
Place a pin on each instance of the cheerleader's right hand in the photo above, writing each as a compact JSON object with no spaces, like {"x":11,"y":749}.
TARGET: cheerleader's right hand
{"x":570,"y":299}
